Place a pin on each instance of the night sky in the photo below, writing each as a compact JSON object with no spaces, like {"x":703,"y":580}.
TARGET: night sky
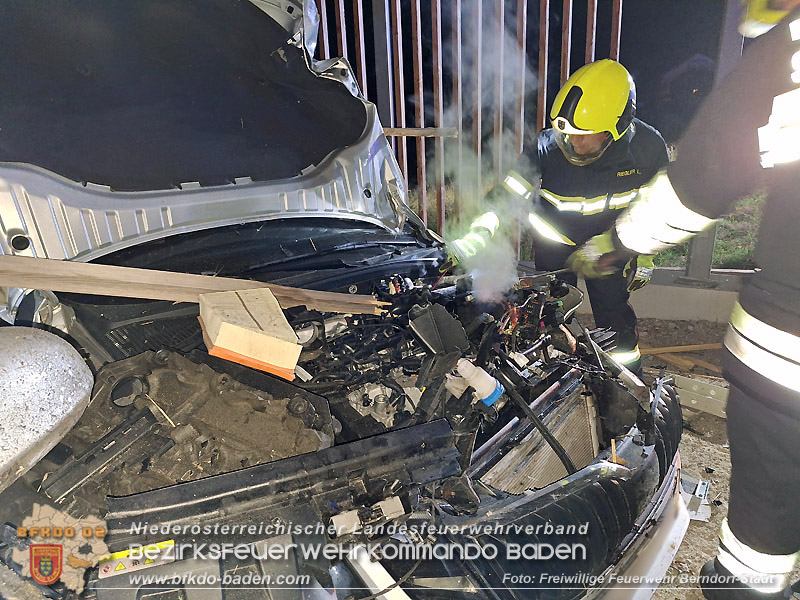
{"x":662,"y":35}
{"x":669,"y":46}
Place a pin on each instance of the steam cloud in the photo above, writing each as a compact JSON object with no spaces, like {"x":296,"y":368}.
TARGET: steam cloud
{"x":493,"y":269}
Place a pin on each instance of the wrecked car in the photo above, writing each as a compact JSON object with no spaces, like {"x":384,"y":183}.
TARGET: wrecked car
{"x":448,"y":447}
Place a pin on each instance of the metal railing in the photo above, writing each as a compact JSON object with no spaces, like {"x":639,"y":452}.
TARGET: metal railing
{"x":480,"y":49}
{"x":472,"y":87}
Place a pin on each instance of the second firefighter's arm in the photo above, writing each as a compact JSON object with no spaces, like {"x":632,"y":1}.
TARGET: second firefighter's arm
{"x":719,"y":157}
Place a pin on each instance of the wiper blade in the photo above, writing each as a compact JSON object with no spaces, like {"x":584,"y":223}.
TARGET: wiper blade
{"x":316,"y":252}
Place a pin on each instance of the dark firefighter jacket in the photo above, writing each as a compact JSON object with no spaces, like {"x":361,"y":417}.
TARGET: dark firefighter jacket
{"x":754,"y":112}
{"x":583,"y":201}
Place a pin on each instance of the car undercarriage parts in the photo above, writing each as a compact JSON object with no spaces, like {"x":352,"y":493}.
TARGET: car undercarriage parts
{"x":383,"y":402}
{"x":399,"y":372}
{"x":355,"y":520}
{"x":44,"y":389}
{"x":350,"y":476}
{"x":177,"y":420}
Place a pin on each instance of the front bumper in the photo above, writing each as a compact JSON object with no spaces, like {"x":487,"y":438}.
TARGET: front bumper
{"x":647,"y":559}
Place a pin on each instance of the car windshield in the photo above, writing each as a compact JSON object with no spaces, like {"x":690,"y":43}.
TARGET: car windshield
{"x":149,"y":95}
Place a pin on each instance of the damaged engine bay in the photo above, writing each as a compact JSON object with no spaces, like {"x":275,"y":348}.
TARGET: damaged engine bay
{"x":444,"y":410}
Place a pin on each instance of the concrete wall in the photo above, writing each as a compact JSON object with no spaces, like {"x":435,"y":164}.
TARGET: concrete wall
{"x":674,"y":302}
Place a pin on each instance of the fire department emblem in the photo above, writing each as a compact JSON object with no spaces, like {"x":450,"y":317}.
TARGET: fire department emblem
{"x":46,"y":563}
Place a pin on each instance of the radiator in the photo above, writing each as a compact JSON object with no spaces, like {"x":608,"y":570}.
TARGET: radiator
{"x":533,"y":463}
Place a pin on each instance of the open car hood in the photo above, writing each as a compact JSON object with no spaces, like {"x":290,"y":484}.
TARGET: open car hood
{"x":143,"y":120}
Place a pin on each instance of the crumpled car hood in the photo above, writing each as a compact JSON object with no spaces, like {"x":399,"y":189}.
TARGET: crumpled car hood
{"x":145,"y":120}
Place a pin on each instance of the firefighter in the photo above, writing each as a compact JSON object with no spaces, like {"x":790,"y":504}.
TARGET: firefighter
{"x":745,"y":137}
{"x":591,"y":163}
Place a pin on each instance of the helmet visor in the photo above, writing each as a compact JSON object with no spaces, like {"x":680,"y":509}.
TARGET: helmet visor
{"x":582,"y":150}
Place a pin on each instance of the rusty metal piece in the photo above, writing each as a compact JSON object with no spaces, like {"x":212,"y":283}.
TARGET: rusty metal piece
{"x":382,"y":53}
{"x":399,"y":84}
{"x":457,"y":102}
{"x":544,"y":42}
{"x":438,"y":111}
{"x":361,"y":53}
{"x":322,"y":36}
{"x":341,"y":28}
{"x":566,"y":39}
{"x":499,"y":91}
{"x":477,"y":86}
{"x":519,"y":108}
{"x":522,"y":41}
{"x":419,"y":109}
{"x":591,"y":30}
{"x":616,"y":28}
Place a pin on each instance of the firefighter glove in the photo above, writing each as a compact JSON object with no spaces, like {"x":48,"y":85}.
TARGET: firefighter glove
{"x":595,"y":258}
{"x":638,"y":272}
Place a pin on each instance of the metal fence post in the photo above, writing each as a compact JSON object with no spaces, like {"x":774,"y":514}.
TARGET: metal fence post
{"x":382,"y":44}
{"x":701,"y":249}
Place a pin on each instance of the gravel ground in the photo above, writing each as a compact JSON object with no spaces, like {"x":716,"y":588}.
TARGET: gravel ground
{"x":704,"y":447}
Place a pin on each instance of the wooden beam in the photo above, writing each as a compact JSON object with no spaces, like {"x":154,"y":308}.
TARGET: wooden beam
{"x":674,"y":349}
{"x":449,"y":132}
{"x":685,"y":363}
{"x":128,"y":282}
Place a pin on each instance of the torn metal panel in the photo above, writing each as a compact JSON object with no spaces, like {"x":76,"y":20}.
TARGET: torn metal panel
{"x":701,"y":395}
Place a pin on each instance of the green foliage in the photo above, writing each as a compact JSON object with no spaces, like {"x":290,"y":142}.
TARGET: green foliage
{"x":736,"y":238}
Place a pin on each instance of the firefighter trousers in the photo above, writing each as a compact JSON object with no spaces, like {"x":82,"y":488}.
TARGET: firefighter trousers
{"x":608,"y":297}
{"x":763,"y":420}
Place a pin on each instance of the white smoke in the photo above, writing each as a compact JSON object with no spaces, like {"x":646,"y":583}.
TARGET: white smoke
{"x":493,"y":268}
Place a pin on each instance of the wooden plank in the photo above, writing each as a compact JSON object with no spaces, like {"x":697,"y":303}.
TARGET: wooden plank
{"x":678,"y":361}
{"x":701,"y":395}
{"x":674,"y":349}
{"x":128,"y":282}
{"x":449,"y":132}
